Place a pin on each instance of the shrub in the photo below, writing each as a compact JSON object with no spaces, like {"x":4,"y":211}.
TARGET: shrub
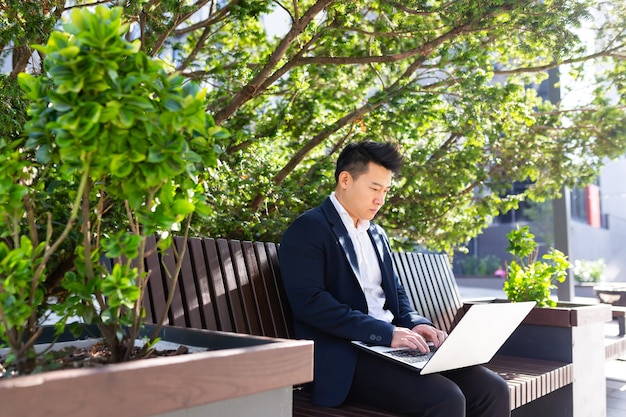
{"x":484,"y":266}
{"x":528,"y":278}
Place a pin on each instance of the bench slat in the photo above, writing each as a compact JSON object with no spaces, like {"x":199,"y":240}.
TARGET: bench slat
{"x":530,"y":379}
{"x":154,"y":288}
{"x":177,"y":310}
{"x":302,"y":408}
{"x":201,"y":275}
{"x":433,"y":290}
{"x":230,"y":317}
{"x":244,"y":275}
{"x":263,"y":313}
{"x":187,"y":286}
{"x":266,"y":256}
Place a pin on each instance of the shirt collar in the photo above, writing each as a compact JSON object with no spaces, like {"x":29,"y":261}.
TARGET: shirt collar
{"x":363,"y":225}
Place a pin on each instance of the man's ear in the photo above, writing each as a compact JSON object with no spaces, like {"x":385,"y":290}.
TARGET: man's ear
{"x":344,"y":179}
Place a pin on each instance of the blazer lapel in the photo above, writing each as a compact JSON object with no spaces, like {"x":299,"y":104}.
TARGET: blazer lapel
{"x":386,"y":265}
{"x":342,"y":235}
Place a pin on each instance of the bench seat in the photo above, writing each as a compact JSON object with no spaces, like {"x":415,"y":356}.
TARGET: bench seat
{"x":528,"y":380}
{"x":302,"y":408}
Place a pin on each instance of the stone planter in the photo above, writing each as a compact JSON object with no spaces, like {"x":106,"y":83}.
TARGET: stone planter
{"x":239,"y":375}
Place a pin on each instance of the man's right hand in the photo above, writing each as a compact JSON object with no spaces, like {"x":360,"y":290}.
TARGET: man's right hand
{"x":403,"y":337}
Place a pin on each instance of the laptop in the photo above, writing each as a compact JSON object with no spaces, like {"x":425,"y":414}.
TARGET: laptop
{"x":475,"y":340}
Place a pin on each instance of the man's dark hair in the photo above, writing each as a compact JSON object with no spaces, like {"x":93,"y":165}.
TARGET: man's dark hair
{"x":355,"y":158}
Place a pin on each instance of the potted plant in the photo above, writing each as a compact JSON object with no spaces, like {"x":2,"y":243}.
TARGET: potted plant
{"x":556,"y":330}
{"x":115,"y":152}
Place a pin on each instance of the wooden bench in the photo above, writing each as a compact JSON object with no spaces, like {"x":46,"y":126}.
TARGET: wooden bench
{"x":236,"y":286}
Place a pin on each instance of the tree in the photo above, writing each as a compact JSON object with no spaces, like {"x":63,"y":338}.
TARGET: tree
{"x":446,"y":80}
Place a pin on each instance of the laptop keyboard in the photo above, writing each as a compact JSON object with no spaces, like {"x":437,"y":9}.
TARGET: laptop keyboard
{"x":412,"y":355}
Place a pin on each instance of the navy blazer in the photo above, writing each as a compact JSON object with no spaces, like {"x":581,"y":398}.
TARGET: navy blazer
{"x":320,"y":272}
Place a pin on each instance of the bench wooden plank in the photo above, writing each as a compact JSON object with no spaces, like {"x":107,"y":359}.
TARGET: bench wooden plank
{"x":247,"y":312}
{"x":302,"y":408}
{"x":258,"y":289}
{"x":160,"y":286}
{"x":267,"y":254}
{"x":429,"y":274}
{"x":231,"y":317}
{"x":201,"y":274}
{"x":217,"y":287}
{"x":187,"y":286}
{"x":270,"y":290}
{"x":177,"y":309}
{"x":530,"y":379}
{"x":154,"y":287}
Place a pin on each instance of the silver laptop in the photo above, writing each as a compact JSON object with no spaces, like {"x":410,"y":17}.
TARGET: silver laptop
{"x":475,"y":340}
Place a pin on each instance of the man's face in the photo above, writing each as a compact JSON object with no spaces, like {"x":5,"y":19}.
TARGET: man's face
{"x":364,"y":196}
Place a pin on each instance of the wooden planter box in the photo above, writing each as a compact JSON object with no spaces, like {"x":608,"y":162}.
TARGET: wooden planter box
{"x":237,"y":366}
{"x":568,"y":315}
{"x":572,"y":333}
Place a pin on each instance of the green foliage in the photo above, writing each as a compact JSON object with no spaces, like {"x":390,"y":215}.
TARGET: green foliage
{"x":445,"y":80}
{"x":12,"y":108}
{"x":19,"y":295}
{"x":483,"y":266}
{"x":589,"y":271}
{"x":529,"y":279}
{"x":114,"y":153}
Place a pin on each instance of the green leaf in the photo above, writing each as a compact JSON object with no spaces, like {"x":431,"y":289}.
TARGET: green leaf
{"x":120,"y":165}
{"x":30,"y":84}
{"x":183,"y":207}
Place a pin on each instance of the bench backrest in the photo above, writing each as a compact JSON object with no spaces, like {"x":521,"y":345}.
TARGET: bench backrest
{"x":224,"y":285}
{"x":236,"y":286}
{"x":430,"y":285}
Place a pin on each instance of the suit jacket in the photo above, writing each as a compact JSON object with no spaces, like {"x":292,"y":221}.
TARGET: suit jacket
{"x":320,"y":272}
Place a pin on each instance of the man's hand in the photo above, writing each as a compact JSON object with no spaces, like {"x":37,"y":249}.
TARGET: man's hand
{"x":431,"y":334}
{"x":403,"y":337}
{"x":418,"y":337}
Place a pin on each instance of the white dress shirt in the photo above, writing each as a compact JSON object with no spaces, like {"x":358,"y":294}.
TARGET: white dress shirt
{"x":369,"y":269}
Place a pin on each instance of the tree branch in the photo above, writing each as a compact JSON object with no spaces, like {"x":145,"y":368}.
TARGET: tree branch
{"x":252,"y":88}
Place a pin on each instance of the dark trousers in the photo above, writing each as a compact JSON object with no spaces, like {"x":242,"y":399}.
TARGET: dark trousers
{"x":469,"y":392}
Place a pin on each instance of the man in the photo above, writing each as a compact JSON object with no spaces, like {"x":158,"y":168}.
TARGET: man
{"x":338,"y":274}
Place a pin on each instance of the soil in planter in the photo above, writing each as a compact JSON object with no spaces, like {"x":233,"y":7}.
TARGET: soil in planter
{"x":94,"y":356}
